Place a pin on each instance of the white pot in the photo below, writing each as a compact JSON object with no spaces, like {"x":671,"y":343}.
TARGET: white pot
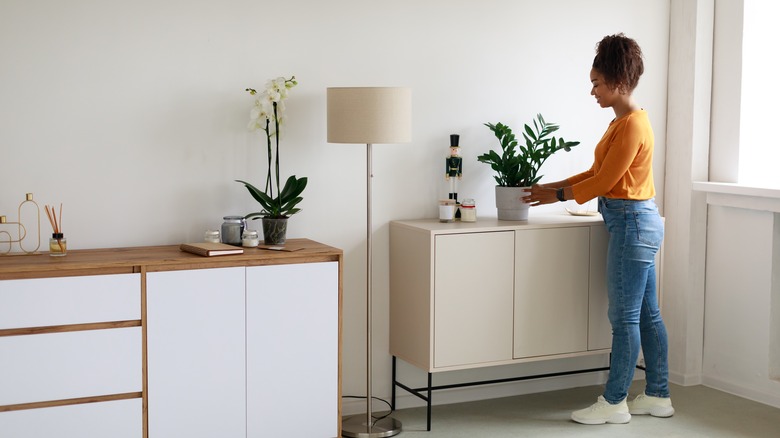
{"x":510,"y":204}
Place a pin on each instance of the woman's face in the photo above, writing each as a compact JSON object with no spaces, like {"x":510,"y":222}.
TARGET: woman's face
{"x":605,"y":96}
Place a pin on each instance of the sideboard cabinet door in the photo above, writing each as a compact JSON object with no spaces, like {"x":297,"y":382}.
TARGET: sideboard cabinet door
{"x":551,"y":291}
{"x":195,"y":347}
{"x":292,"y":346}
{"x":473,"y":278}
{"x":599,"y":328}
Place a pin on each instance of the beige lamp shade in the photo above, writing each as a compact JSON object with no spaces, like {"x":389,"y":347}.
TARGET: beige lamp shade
{"x":369,"y":115}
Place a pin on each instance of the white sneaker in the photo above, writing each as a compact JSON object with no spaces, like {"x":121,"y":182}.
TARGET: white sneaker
{"x":603,"y":412}
{"x":655,"y":406}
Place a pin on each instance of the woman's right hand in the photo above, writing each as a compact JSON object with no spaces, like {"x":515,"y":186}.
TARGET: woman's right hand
{"x":541,"y":194}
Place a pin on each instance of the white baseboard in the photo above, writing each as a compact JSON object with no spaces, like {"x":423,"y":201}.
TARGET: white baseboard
{"x":482,"y":392}
{"x":685,"y":379}
{"x":769,"y":395}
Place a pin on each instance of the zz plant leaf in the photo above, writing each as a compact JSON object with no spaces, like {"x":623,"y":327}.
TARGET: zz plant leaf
{"x":519,"y":167}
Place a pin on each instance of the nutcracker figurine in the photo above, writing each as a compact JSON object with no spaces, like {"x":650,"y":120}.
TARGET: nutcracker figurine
{"x":454,"y":166}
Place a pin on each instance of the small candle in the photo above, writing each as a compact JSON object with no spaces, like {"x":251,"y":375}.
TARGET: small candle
{"x":250,"y":239}
{"x":446,"y":210}
{"x":211,"y":236}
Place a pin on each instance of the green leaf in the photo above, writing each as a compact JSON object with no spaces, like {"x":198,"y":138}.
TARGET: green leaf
{"x":293,"y":187}
{"x":530,"y":132}
{"x":518,"y":164}
{"x":252,"y":189}
{"x":283,"y":205}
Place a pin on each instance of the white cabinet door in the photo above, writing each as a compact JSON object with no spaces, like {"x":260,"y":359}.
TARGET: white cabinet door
{"x":195,"y":348}
{"x":551,"y":291}
{"x":114,"y":419}
{"x":292,"y":350}
{"x":473,"y":298}
{"x":599,"y":328}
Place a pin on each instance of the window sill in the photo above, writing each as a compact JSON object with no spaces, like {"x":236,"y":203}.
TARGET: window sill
{"x":739,"y":196}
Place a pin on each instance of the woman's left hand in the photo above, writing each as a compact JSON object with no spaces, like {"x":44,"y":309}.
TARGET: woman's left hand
{"x":539,"y":194}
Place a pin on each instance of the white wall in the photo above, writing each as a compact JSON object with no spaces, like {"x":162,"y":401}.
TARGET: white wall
{"x":726,"y":91}
{"x":740,"y":347}
{"x":688,"y":143}
{"x":740,"y":343}
{"x":133,"y":114}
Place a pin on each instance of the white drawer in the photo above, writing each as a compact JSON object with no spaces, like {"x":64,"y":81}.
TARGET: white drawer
{"x":69,"y":300}
{"x":35,"y":368}
{"x":115,"y":419}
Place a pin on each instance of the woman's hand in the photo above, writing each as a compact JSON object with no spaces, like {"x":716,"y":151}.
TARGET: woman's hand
{"x":540,"y":194}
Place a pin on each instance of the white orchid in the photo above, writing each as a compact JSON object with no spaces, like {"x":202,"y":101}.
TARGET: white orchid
{"x":258,"y":115}
{"x":268,"y":111}
{"x":267,"y":115}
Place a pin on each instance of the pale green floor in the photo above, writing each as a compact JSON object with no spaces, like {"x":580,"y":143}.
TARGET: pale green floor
{"x":700,"y":412}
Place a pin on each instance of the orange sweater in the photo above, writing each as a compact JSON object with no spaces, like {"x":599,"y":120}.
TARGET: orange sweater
{"x":623,"y":163}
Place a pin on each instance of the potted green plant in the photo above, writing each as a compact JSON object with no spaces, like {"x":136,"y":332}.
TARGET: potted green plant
{"x":517,"y":167}
{"x":278,"y":203}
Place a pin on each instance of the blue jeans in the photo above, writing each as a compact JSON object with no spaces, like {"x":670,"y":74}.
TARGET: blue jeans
{"x":635,"y":234}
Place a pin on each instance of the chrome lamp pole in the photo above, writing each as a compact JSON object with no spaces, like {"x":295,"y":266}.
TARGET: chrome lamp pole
{"x":369,"y":115}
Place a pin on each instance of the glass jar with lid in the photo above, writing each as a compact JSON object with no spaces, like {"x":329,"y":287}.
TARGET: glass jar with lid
{"x":468,"y":210}
{"x":250,"y":239}
{"x":211,"y":236}
{"x":232,"y":229}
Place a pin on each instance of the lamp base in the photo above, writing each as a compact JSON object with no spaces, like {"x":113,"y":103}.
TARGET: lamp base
{"x":356,"y":427}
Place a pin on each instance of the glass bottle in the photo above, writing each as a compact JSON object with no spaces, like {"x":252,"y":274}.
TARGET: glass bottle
{"x":58,"y":245}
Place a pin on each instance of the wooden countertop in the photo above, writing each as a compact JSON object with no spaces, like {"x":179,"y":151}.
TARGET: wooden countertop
{"x":156,"y":258}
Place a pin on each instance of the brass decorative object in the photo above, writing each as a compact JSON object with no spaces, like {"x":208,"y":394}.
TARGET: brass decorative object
{"x":6,"y":238}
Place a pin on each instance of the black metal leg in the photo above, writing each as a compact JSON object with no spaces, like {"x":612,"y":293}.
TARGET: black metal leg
{"x":392,"y":394}
{"x":430,"y":388}
{"x":425,"y":393}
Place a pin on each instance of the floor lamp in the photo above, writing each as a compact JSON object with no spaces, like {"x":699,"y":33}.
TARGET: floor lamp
{"x":368,"y":115}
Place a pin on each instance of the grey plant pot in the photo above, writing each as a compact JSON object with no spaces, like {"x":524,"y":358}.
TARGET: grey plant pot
{"x":510,"y":204}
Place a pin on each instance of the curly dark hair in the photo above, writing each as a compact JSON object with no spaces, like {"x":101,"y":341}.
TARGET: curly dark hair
{"x":619,"y":59}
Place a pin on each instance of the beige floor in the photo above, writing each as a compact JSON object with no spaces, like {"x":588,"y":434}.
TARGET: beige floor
{"x":700,"y":412}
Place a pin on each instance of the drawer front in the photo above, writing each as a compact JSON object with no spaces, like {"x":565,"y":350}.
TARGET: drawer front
{"x":35,"y":368}
{"x":115,"y":419}
{"x":69,"y":300}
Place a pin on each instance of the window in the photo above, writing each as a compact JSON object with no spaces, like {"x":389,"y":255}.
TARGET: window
{"x":759,"y":139}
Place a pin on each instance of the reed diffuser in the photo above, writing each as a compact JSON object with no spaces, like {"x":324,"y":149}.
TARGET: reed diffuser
{"x":58,"y":245}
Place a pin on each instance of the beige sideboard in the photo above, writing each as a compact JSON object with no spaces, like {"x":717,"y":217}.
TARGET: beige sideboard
{"x":155,"y":342}
{"x":472,"y":295}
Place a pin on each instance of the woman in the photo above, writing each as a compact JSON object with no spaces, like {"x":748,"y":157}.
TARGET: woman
{"x":622,"y":178}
